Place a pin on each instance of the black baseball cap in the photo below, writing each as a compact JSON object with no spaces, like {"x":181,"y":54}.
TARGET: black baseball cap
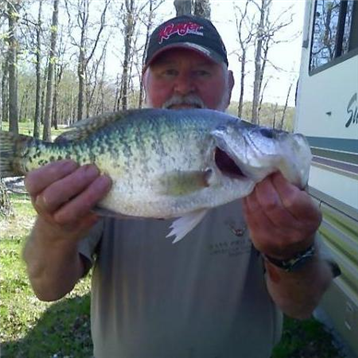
{"x":187,"y":31}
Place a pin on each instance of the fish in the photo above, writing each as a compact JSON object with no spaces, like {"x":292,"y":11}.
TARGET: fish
{"x":167,"y":164}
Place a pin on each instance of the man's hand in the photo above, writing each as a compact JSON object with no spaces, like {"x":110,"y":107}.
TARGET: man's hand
{"x":63,"y":194}
{"x":282,"y":219}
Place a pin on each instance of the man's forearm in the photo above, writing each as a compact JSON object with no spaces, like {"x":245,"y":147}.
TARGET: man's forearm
{"x":298,"y":293}
{"x":53,"y":262}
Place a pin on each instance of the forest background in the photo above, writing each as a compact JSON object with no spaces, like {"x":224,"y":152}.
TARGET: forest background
{"x":64,"y":60}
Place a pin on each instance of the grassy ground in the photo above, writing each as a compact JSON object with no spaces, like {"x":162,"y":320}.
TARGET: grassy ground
{"x":30,"y":328}
{"x":27,"y":128}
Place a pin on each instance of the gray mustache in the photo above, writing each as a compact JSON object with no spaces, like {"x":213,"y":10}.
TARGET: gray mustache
{"x":184,"y":100}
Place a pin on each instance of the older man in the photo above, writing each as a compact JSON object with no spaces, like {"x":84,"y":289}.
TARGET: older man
{"x":218,"y":293}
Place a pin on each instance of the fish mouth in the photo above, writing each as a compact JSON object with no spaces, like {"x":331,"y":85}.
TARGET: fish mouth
{"x":227,"y":165}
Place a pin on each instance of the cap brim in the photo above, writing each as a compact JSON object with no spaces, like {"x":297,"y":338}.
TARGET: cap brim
{"x":210,"y":54}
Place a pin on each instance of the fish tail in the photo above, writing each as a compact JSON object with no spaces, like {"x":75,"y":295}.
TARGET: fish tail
{"x":11,"y":148}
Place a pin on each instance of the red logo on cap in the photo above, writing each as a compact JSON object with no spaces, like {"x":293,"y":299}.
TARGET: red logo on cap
{"x":181,"y":29}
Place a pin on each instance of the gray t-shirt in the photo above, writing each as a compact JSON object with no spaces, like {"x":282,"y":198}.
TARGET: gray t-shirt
{"x":203,"y":297}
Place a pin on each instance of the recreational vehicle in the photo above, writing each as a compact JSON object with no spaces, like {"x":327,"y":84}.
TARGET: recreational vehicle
{"x":327,"y":113}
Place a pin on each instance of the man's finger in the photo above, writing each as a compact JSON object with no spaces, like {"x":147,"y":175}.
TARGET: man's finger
{"x":271,"y":203}
{"x":296,"y":201}
{"x":81,"y":205}
{"x":62,"y":190}
{"x":38,"y":179}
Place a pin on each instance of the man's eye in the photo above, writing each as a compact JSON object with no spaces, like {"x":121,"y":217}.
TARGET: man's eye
{"x":170,"y":72}
{"x":202,"y":73}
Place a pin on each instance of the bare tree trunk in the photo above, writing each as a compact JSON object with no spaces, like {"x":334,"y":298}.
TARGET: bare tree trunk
{"x":242,"y":84}
{"x":117,"y":96}
{"x":82,"y":19}
{"x":13,"y":77}
{"x":37,"y":119}
{"x":51,"y":64}
{"x":274,"y":116}
{"x":43,"y":94}
{"x":128,"y":38}
{"x":242,"y":24}
{"x":149,"y":24}
{"x":58,"y":78}
{"x":258,"y":54}
{"x":24,"y":102}
{"x":183,"y":7}
{"x":5,"y":89}
{"x":83,"y":16}
{"x":262,"y":92}
{"x":5,"y":204}
{"x":285,"y":106}
{"x":202,"y":8}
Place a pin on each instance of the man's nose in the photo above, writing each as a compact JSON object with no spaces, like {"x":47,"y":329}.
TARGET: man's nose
{"x":184,"y":84}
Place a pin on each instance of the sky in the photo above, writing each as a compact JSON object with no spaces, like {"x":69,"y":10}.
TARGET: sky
{"x":286,"y":55}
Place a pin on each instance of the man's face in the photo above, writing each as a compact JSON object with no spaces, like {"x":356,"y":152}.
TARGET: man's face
{"x":182,"y":78}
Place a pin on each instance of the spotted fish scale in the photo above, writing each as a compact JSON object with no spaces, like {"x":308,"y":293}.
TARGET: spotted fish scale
{"x":166,"y":163}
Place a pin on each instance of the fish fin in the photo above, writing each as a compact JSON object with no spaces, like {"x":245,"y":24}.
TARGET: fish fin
{"x":82,"y":129}
{"x":180,"y":183}
{"x":182,"y":226}
{"x":11,"y":149}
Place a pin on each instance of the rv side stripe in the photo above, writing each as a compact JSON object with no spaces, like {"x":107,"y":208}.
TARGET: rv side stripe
{"x":333,"y":164}
{"x":338,"y":144}
{"x":336,"y":156}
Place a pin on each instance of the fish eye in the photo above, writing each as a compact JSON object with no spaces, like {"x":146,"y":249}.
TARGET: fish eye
{"x":267,"y":133}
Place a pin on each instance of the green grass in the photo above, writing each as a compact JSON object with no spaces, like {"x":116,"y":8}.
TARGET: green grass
{"x":305,"y":339}
{"x":27,"y":128}
{"x":31,"y":328}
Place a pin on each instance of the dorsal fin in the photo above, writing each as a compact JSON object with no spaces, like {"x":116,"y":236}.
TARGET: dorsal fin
{"x":85,"y":127}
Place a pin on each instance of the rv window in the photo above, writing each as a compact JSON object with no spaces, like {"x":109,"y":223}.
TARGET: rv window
{"x":325,"y":32}
{"x":347,"y":27}
{"x":332,"y":31}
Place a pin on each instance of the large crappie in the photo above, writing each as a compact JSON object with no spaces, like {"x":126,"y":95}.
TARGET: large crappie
{"x":168,"y":163}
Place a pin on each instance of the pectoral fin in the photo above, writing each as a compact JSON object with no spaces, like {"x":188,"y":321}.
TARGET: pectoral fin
{"x":182,"y":226}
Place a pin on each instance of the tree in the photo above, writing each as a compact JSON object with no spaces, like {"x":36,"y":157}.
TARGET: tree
{"x":265,"y":39}
{"x":13,"y":8}
{"x":245,"y":34}
{"x":37,"y":119}
{"x":5,"y":89}
{"x":85,"y":52}
{"x":183,"y":7}
{"x":200,"y":8}
{"x":129,"y":27}
{"x":285,"y":106}
{"x":5,"y":204}
{"x":149,"y":25}
{"x":51,"y":65}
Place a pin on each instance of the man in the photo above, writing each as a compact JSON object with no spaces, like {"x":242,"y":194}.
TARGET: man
{"x":217,"y":293}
